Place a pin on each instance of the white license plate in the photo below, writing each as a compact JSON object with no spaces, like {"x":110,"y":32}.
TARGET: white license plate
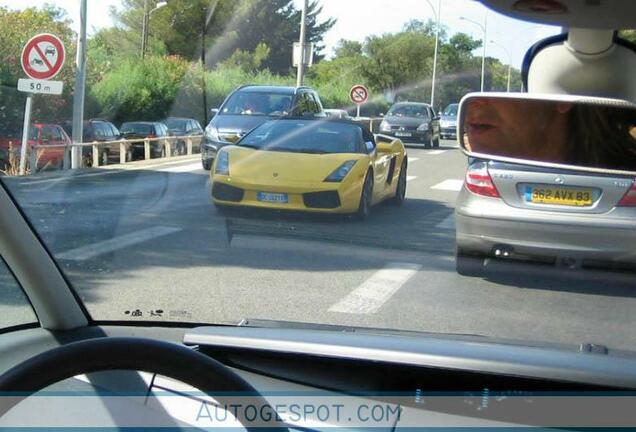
{"x":272,"y":197}
{"x":403,"y":134}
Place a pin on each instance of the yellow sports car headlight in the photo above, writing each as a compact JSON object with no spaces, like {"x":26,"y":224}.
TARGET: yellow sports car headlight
{"x":341,"y":172}
{"x":222,"y":164}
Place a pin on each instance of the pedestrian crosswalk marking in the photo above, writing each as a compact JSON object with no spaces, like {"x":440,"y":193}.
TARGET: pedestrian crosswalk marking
{"x":369,"y":297}
{"x":449,"y":185}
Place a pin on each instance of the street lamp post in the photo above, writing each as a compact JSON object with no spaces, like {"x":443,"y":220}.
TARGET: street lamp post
{"x":80,"y":89}
{"x":303,"y":36}
{"x":437,"y":14}
{"x":146,"y":22}
{"x":484,"y":28}
{"x":509,"y":61}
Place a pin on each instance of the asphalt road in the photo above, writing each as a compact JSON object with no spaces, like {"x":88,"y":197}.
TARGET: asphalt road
{"x":145,"y":243}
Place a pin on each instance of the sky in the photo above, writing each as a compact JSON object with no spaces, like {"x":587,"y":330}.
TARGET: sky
{"x":358,"y":19}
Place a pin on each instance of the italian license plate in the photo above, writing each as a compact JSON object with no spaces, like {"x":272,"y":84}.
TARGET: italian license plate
{"x":272,"y":197}
{"x":565,"y":196}
{"x":403,"y":134}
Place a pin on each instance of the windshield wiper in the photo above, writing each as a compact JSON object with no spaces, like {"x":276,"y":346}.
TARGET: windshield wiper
{"x":251,"y":146}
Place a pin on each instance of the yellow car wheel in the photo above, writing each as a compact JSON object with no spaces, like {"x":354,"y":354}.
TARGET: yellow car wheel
{"x":366,"y":198}
{"x":400,"y":191}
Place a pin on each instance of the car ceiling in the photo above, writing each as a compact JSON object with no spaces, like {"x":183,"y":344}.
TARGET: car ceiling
{"x":606,"y":14}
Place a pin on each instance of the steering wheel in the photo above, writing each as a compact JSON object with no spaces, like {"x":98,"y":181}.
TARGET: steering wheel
{"x":123,"y":353}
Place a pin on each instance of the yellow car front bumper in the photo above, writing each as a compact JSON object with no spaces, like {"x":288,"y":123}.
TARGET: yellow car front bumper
{"x":323,"y":197}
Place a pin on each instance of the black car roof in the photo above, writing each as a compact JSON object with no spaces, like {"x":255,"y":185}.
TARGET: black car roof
{"x":412,"y":103}
{"x":323,"y":119}
{"x":179,"y":118}
{"x":270,"y":89}
{"x":149,"y":123}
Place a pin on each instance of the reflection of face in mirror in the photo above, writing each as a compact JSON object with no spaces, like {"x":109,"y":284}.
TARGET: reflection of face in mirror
{"x":573,"y":133}
{"x":520,"y":129}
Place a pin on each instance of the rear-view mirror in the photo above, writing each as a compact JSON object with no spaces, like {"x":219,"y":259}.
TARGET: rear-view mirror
{"x":573,"y":132}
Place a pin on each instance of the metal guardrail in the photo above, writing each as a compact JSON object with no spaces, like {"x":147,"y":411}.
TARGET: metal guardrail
{"x":370,"y":122}
{"x":124,"y":147}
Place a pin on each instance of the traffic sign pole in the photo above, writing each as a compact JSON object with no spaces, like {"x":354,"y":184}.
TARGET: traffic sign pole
{"x":25,"y":134}
{"x":42,"y":59}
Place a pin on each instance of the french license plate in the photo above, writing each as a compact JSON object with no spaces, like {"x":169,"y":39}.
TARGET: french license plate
{"x":403,"y":134}
{"x":272,"y":197}
{"x":574,"y":197}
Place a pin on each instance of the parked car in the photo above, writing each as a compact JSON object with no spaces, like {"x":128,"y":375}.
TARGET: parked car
{"x":448,"y":122}
{"x":39,"y":134}
{"x":412,"y":122}
{"x":181,"y":127}
{"x":337,"y":113}
{"x":141,"y":130}
{"x":102,"y":131}
{"x":250,"y":106}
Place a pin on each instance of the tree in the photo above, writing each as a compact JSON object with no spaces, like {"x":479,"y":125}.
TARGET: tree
{"x":401,"y":63}
{"x":229,"y":25}
{"x":248,"y":61}
{"x":346,"y":48}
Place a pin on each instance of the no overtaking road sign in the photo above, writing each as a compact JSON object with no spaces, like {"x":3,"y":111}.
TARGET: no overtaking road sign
{"x":43,"y":56}
{"x":359,"y":94}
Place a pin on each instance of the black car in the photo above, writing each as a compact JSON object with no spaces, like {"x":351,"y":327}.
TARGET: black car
{"x":412,"y":122}
{"x":100,"y":131}
{"x":250,"y":106}
{"x":184,"y":127}
{"x":141,"y":130}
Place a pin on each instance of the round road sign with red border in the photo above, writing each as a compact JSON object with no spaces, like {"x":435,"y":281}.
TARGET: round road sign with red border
{"x":359,"y":94}
{"x":43,"y":56}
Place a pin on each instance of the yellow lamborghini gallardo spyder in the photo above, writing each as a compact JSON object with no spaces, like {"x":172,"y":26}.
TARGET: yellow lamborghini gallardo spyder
{"x":311,"y":165}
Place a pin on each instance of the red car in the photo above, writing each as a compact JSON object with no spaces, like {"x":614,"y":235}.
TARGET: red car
{"x":39,"y":134}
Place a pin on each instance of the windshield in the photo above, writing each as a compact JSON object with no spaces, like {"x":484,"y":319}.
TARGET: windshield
{"x":174,"y":124}
{"x":419,"y":111}
{"x":136,"y":128}
{"x":258,"y":104}
{"x":327,"y":224}
{"x":451,"y":110}
{"x":305,"y":137}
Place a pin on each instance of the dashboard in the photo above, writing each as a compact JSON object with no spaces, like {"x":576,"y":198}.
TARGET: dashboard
{"x":318,"y":380}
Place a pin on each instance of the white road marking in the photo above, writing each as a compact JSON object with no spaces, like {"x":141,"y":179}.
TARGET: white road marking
{"x":413,"y":159}
{"x":448,"y":223}
{"x":449,"y":185}
{"x":183,"y":168}
{"x":92,"y":250}
{"x":409,"y":178}
{"x":369,"y":297}
{"x":436,"y":152}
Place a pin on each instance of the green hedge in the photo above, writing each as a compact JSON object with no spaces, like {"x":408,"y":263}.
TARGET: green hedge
{"x":171,"y":86}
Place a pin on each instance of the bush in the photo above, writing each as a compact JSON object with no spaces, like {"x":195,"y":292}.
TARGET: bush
{"x":141,"y":90}
{"x":159,"y":87}
{"x":223,"y":80}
